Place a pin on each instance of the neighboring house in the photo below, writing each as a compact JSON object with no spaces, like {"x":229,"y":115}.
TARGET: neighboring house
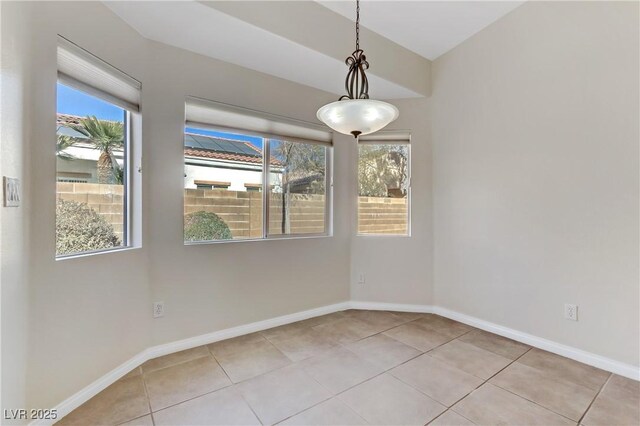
{"x":210,"y":162}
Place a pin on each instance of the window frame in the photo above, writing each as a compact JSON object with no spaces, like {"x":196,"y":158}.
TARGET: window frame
{"x":328,"y":199}
{"x":265,"y":191}
{"x":381,"y":139}
{"x":128,"y":242}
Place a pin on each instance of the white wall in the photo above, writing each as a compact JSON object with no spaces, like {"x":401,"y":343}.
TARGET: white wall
{"x":535,"y":141}
{"x":15,"y":72}
{"x":236,"y":177}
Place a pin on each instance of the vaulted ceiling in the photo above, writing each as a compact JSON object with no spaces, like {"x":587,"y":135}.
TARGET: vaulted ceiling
{"x":307,"y":42}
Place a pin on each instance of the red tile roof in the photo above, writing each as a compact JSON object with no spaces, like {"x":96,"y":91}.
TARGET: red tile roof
{"x":69,"y":120}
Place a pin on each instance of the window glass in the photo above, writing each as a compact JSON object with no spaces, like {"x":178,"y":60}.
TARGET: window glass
{"x":297,"y":188}
{"x":222,"y":172}
{"x":383,"y":189}
{"x":91,"y":172}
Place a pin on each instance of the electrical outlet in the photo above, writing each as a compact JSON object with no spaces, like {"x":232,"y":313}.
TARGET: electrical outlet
{"x":361,"y":278}
{"x":158,"y":309}
{"x":571,"y":312}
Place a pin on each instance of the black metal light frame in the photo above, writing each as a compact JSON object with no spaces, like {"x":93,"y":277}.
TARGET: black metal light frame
{"x":356,"y":83}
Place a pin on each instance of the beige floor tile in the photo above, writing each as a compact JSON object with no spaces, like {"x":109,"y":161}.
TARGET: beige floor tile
{"x":451,"y":418}
{"x":557,"y":366}
{"x":442,"y":325}
{"x":187,"y":380}
{"x":470,"y":358}
{"x":378,"y":320}
{"x":237,"y":344}
{"x":490,"y":405}
{"x":416,"y":336}
{"x":133,"y":373}
{"x":436,"y":379}
{"x":122,"y":401}
{"x":257,"y":358}
{"x":384,"y":400}
{"x":282,"y":393}
{"x":345,"y":330}
{"x":223,"y":407}
{"x":617,"y":404}
{"x":302,"y":346}
{"x":623,"y":384}
{"x":383,"y":351}
{"x":408,"y":316}
{"x":174,"y":358}
{"x":140,"y":421}
{"x":330,"y":412}
{"x":322,"y":319}
{"x":559,"y":396}
{"x":497,"y":344}
{"x":340,"y":369}
{"x":285,"y":331}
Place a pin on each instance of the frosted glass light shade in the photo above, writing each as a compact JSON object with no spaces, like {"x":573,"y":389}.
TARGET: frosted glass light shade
{"x":357,"y":116}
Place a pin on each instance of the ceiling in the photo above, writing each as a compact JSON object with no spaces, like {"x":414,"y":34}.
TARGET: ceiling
{"x":428,"y":28}
{"x":263,"y":36}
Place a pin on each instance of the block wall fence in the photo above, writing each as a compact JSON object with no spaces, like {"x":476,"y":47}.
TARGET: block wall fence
{"x":242,"y":210}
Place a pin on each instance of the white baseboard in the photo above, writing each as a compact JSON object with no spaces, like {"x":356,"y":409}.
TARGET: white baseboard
{"x":398,"y":307}
{"x":94,"y":388}
{"x":79,"y":398}
{"x":604,"y":363}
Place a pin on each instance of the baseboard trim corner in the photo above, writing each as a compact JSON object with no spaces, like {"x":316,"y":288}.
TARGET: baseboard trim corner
{"x":82,"y":396}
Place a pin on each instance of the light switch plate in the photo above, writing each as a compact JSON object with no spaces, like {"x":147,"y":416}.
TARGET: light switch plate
{"x":11,"y":191}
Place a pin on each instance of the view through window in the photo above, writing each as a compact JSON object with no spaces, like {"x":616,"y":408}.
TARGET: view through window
{"x":224,"y":195}
{"x":383,"y":188}
{"x":91,"y":173}
{"x":297,"y":200}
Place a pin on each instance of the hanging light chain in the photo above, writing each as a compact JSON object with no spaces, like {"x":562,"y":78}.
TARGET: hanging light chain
{"x":357,"y":24}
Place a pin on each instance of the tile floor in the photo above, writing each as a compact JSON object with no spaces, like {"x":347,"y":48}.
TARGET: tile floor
{"x":365,"y":367}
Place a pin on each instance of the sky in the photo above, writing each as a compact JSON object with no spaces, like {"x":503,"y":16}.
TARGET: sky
{"x":75,"y":102}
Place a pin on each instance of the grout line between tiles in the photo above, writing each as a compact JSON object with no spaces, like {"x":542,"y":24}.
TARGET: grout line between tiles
{"x":487,"y":380}
{"x":357,"y":384}
{"x":191,"y":399}
{"x":595,"y":397}
{"x":520,"y":396}
{"x":146,"y":392}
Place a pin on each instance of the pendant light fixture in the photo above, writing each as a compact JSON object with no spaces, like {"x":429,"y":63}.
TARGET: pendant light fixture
{"x":354,"y":113}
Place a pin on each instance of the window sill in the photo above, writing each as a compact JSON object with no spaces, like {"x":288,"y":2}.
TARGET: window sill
{"x":96,"y":253}
{"x":253,"y":240}
{"x":384,"y":235}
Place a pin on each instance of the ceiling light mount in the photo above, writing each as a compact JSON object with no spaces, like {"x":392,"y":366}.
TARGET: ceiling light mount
{"x":354,"y":113}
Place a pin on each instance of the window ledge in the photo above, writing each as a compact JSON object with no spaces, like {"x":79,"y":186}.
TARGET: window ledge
{"x":253,"y":240}
{"x":96,"y":253}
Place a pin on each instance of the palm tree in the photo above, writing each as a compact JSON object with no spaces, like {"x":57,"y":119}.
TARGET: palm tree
{"x":62,"y":144}
{"x":105,"y":136}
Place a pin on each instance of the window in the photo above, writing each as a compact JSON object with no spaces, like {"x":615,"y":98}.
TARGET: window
{"x":384,"y":185}
{"x":93,"y":154}
{"x":227,"y":171}
{"x":297,"y":188}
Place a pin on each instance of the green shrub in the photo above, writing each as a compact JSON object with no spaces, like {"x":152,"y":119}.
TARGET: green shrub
{"x":79,"y":228}
{"x":204,"y":226}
